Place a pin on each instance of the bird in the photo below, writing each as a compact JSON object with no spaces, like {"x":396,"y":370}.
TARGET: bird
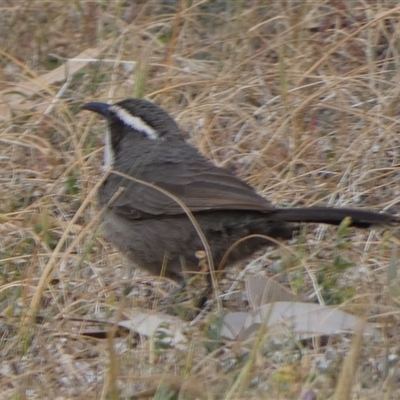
{"x":150,"y":165}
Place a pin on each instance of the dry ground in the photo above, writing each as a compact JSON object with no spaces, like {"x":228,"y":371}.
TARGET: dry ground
{"x":299,"y":98}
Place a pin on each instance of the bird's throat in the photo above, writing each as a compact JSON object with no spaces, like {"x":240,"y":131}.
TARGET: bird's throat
{"x":109,"y":155}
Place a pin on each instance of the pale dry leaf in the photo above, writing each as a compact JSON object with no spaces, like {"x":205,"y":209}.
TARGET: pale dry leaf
{"x":309,"y":319}
{"x":305,"y":320}
{"x":18,"y":93}
{"x":262,"y":290}
{"x":149,"y":323}
{"x":233,"y":324}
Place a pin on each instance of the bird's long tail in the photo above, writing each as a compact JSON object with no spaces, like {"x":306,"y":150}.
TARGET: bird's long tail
{"x":334,"y":216}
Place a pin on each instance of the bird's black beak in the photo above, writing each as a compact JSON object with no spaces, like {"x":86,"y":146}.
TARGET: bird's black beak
{"x":97,"y":107}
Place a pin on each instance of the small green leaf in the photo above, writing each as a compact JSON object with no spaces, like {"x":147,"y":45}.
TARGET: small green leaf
{"x":72,"y":186}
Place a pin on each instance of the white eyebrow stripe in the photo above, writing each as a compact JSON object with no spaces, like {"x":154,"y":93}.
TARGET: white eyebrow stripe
{"x":134,"y":122}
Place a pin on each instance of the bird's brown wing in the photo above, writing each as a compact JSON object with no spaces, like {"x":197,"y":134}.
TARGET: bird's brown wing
{"x":199,"y":184}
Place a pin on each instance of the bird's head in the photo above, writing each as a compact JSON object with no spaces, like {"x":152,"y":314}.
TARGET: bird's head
{"x":134,"y":121}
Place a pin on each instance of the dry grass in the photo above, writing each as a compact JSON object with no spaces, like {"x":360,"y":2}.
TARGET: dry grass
{"x":298,"y":98}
